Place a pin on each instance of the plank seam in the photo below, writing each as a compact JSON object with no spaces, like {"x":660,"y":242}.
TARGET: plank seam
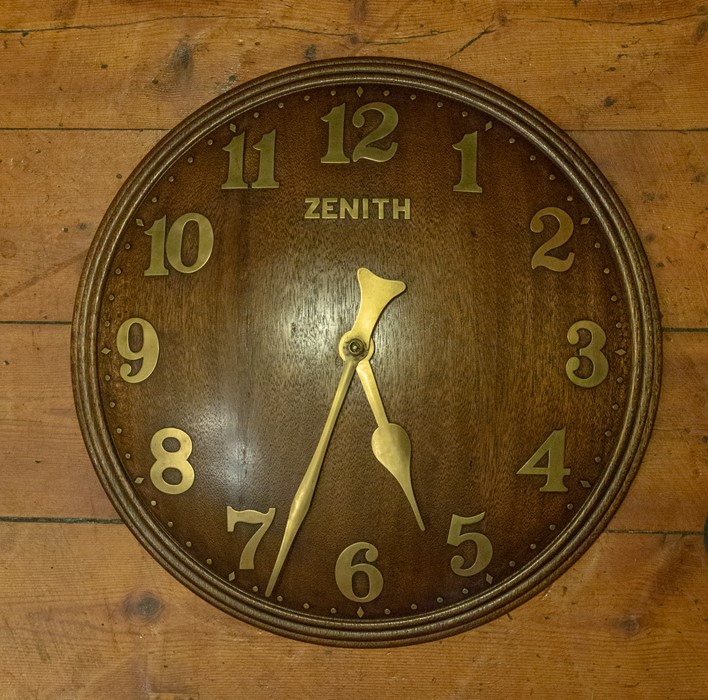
{"x":63,"y":521}
{"x":114,"y":25}
{"x":654,"y":532}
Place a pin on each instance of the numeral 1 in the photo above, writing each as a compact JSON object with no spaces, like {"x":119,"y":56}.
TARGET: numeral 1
{"x":266,"y":163}
{"x":468,"y":165}
{"x":554,"y":471}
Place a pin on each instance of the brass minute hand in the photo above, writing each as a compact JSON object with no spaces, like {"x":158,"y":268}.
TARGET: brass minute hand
{"x":390,"y":442}
{"x":376,"y":293}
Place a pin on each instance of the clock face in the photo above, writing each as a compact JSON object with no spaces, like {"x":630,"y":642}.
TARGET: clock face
{"x":366,"y":352}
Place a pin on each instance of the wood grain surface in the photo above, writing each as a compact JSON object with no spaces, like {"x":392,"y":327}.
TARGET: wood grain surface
{"x":87,"y":88}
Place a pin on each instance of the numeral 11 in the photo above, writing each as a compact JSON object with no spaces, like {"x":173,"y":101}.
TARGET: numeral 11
{"x":266,"y":163}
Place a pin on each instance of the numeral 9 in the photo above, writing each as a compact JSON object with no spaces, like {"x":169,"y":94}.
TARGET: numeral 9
{"x":148,"y":352}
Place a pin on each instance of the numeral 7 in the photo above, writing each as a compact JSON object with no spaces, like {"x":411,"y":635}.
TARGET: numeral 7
{"x":252,"y":517}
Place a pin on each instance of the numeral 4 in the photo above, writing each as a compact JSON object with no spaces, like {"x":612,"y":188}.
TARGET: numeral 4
{"x":554,"y":471}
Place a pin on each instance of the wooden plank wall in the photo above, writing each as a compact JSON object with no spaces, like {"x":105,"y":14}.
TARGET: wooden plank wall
{"x":85,"y":89}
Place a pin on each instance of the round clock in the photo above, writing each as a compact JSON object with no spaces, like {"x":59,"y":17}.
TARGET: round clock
{"x":366,"y":352}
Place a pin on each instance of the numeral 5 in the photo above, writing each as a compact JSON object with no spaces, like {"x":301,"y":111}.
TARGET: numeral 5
{"x":456,"y":537}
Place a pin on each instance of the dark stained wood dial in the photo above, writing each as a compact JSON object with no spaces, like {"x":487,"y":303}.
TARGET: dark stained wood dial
{"x":450,"y":186}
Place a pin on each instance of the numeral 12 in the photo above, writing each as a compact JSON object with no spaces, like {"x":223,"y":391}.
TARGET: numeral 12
{"x":365,"y":148}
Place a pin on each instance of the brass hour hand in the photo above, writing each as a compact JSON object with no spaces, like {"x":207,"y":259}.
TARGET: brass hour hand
{"x":376,"y":294}
{"x":390,"y":442}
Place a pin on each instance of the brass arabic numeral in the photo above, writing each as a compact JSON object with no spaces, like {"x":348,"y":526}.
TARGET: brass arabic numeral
{"x":147,"y":353}
{"x":176,"y":460}
{"x":468,"y":164}
{"x":251,"y":517}
{"x":266,"y":163}
{"x":561,"y":236}
{"x":335,"y":149}
{"x":365,"y":148}
{"x":345,"y":570}
{"x":172,"y":246}
{"x":456,"y":537}
{"x":593,"y":351}
{"x":554,"y":471}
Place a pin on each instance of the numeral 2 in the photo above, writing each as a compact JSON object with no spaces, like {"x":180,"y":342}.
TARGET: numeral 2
{"x":561,"y":236}
{"x":364,"y":149}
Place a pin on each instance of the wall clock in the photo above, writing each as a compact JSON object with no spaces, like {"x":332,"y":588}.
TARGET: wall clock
{"x":366,"y":352}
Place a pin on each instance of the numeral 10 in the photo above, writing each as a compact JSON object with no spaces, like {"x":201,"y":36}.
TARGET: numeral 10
{"x":171,"y":244}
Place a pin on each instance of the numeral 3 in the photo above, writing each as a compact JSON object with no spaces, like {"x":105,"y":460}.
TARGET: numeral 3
{"x":593,"y":351}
